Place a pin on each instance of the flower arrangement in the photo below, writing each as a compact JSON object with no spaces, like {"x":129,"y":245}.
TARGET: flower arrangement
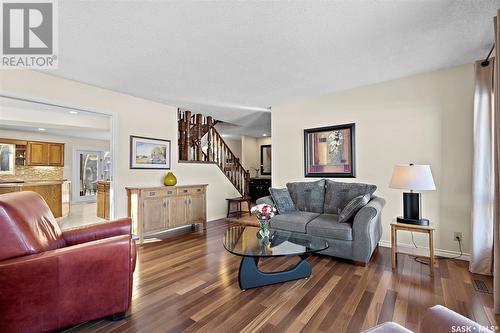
{"x":264,"y":213}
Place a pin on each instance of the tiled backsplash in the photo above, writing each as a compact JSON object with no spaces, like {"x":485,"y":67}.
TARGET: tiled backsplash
{"x":35,"y":173}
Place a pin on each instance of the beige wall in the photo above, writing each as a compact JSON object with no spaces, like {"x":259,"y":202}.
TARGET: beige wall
{"x":234,"y":145}
{"x":135,"y":116}
{"x":424,"y":119}
{"x":250,"y":148}
{"x":249,"y":158}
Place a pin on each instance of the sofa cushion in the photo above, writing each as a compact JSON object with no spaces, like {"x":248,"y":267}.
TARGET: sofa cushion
{"x":283,"y":200}
{"x":308,"y":196}
{"x":328,"y":226}
{"x":353,"y":207}
{"x":296,"y":221}
{"x":338,"y":194}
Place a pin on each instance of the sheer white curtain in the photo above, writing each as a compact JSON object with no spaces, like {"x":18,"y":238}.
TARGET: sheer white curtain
{"x":482,"y":172}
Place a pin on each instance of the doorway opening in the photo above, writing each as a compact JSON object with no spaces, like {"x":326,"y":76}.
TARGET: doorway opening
{"x":83,"y":169}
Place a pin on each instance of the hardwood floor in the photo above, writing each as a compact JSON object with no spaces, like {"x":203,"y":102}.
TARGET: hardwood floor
{"x":188,"y":282}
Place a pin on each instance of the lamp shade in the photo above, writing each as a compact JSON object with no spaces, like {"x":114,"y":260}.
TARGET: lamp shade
{"x":412,"y":177}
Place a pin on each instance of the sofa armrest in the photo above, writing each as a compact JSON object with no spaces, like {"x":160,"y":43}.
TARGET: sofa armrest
{"x":66,"y":286}
{"x":265,"y":200}
{"x":97,"y":231}
{"x":441,"y":319}
{"x":367,"y":224}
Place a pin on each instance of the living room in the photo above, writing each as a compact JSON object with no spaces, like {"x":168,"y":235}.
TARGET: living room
{"x":362,"y":135}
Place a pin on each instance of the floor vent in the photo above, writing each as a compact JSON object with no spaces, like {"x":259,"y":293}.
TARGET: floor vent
{"x":481,"y":286}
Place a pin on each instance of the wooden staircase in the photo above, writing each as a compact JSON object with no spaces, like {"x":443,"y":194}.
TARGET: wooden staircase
{"x":200,"y":142}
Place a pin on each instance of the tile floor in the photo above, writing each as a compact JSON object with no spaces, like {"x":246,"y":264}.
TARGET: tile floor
{"x":80,"y":214}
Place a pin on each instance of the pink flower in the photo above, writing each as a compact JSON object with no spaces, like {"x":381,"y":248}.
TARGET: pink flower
{"x":264,"y":211}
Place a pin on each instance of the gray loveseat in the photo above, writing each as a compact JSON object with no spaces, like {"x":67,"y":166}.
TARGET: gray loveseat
{"x":318,"y":207}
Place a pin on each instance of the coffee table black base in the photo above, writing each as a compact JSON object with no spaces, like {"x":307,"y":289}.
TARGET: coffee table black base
{"x":251,"y":277}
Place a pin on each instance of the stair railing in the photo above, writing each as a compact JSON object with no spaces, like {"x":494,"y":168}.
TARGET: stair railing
{"x":200,"y":142}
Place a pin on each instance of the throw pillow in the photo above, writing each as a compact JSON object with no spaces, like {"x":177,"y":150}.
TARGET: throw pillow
{"x":308,"y":196}
{"x":338,"y":194}
{"x":283,"y":200}
{"x":353,"y":207}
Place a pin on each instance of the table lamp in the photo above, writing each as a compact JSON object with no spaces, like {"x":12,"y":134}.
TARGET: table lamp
{"x":414,"y":178}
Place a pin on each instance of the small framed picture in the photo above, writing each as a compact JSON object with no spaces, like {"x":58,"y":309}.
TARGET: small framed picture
{"x":330,"y":151}
{"x":149,"y":153}
{"x":265,"y":160}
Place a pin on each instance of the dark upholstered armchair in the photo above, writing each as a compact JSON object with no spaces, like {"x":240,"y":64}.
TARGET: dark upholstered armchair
{"x":51,"y":279}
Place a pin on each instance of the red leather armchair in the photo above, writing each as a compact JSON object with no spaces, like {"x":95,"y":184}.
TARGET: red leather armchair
{"x":51,"y":279}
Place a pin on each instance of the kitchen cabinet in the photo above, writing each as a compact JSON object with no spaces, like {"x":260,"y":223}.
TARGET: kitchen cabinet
{"x":55,"y":193}
{"x":56,"y":154}
{"x":158,"y":209}
{"x":103,"y":201}
{"x":44,"y":153}
{"x":38,"y":153}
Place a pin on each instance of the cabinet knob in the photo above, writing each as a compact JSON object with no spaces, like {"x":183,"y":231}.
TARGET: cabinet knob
{"x":185,"y":191}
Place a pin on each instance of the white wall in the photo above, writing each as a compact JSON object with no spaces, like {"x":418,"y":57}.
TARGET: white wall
{"x":424,"y":119}
{"x":69,"y":144}
{"x":250,"y":150}
{"x":135,"y":116}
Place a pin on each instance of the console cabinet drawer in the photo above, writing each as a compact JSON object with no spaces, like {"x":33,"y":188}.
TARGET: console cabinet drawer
{"x":151,"y":193}
{"x":192,"y":190}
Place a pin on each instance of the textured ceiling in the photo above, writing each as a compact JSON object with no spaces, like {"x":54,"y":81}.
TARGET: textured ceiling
{"x":234,"y":59}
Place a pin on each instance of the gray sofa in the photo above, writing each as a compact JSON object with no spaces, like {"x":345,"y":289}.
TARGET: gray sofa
{"x":318,"y":206}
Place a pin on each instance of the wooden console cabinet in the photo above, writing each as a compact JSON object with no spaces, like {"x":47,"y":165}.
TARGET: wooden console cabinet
{"x":157,"y":209}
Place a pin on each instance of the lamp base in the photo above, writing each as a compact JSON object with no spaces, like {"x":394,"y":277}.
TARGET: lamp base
{"x":400,"y":219}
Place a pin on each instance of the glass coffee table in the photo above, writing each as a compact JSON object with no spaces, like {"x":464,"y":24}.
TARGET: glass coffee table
{"x":247,"y":243}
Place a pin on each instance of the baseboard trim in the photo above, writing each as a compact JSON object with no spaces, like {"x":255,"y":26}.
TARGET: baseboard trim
{"x":437,"y":252}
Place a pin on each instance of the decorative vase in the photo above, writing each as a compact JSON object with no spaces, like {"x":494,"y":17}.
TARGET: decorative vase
{"x":264,"y":228}
{"x":170,"y":179}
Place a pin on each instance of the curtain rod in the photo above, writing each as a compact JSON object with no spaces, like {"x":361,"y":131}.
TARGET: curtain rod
{"x":486,"y":62}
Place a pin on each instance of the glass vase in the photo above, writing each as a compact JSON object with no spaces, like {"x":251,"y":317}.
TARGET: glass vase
{"x":264,"y":228}
{"x":170,"y":179}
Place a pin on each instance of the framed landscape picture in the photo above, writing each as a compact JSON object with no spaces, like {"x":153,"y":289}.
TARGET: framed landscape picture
{"x":329,"y":151}
{"x":149,"y":153}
